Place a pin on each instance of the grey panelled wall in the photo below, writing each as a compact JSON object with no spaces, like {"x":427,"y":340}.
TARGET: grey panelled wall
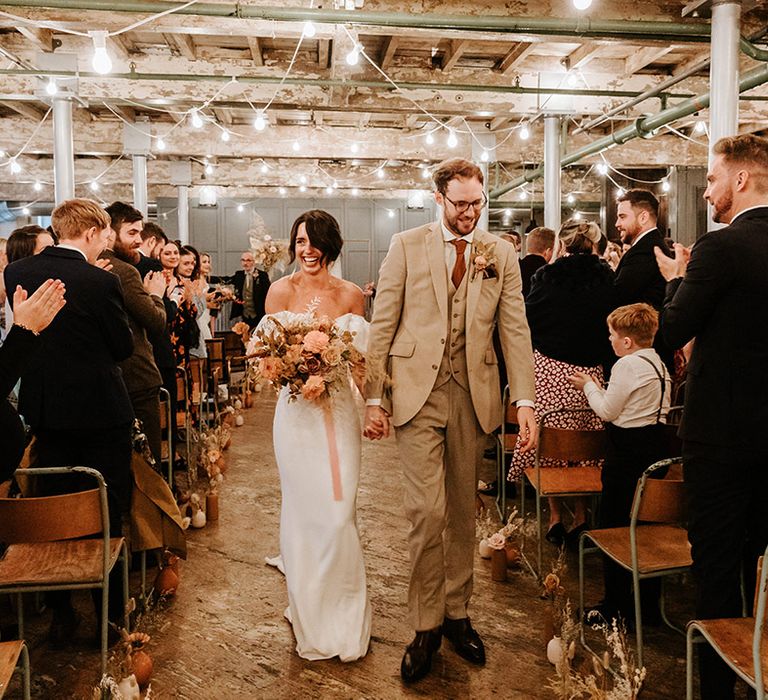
{"x":367,"y":226}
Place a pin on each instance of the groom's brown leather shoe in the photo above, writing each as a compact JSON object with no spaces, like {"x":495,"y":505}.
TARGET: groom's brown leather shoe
{"x":465,"y":640}
{"x":417,"y":660}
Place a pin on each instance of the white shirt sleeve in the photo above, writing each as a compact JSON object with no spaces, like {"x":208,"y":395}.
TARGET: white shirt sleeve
{"x":608,"y":403}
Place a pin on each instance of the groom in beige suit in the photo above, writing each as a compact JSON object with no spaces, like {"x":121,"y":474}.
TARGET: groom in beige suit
{"x":442,"y":289}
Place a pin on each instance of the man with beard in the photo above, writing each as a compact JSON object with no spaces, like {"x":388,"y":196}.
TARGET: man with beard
{"x":153,"y":239}
{"x":146,"y":314}
{"x":443,"y":287}
{"x":638,"y":279}
{"x":719,"y":298}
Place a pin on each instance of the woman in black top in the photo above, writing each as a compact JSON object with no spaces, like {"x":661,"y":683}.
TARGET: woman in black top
{"x":566,"y":309}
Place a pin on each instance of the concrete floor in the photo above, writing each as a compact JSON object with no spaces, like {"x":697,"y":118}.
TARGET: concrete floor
{"x":224,"y":636}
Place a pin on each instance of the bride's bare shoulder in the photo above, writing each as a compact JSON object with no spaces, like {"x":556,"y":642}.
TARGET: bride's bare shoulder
{"x":353,"y":296}
{"x":279,"y":295}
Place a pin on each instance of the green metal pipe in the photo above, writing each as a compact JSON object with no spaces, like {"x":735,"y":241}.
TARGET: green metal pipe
{"x":695,"y":32}
{"x":641,"y":128}
{"x":753,"y":51}
{"x":332,"y":82}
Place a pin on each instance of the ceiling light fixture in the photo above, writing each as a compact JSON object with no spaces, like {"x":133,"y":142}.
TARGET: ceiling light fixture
{"x":195,"y":119}
{"x":582,"y":4}
{"x":602,"y":168}
{"x":94,"y":185}
{"x":430,"y":139}
{"x":260,"y":123}
{"x":525,"y":132}
{"x":355,"y":191}
{"x":101,"y":62}
{"x":264,"y":168}
{"x":665,"y":186}
{"x":25,"y":211}
{"x":160,"y":145}
{"x":353,"y":57}
{"x":452,"y":141}
{"x":37,"y":187}
{"x":15,"y":167}
{"x":225,"y":135}
{"x":484,"y":156}
{"x":309,"y":30}
{"x":51,"y":88}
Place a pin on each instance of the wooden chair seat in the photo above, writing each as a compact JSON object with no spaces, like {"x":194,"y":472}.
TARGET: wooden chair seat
{"x":659,"y":547}
{"x":567,"y":481}
{"x":732,"y":639}
{"x":9,"y":657}
{"x":56,"y":563}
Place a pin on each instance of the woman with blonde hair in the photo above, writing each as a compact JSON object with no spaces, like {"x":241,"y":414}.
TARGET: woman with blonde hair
{"x":566,"y":308}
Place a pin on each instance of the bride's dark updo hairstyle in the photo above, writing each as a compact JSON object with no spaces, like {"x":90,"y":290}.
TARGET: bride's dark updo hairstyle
{"x":323,"y":232}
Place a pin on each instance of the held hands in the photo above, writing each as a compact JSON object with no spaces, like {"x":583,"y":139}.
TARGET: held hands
{"x":36,"y":312}
{"x":528,"y":436}
{"x":579,"y":380}
{"x":376,"y":423}
{"x":103,"y":264}
{"x":671,"y":268}
{"x":155,"y":283}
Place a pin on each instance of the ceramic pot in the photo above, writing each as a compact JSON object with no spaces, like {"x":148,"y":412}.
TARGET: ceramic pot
{"x":141,"y":665}
{"x":238,"y":404}
{"x":484,"y":549}
{"x":512,"y":552}
{"x":212,"y":507}
{"x":239,"y":420}
{"x":498,"y":565}
{"x":129,"y":688}
{"x":248,"y":399}
{"x":555,"y":650}
{"x":167,"y":581}
{"x":198,"y":519}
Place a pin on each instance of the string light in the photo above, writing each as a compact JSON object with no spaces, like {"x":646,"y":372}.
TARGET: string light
{"x":430,"y":138}
{"x":208,"y":169}
{"x":572,"y":79}
{"x":329,"y":190}
{"x":665,"y":186}
{"x":303,"y":179}
{"x":51,"y":88}
{"x":570,"y":198}
{"x":355,"y":191}
{"x":391,"y":213}
{"x":25,"y":211}
{"x":282,"y":190}
{"x":525,"y":132}
{"x":225,"y":136}
{"x":380,"y":173}
{"x":335,"y":185}
{"x":699,"y":127}
{"x":160,"y":145}
{"x":264,"y":168}
{"x":37,"y":187}
{"x":15,"y":167}
{"x":582,"y":4}
{"x":94,"y":185}
{"x":523,"y":194}
{"x":577,"y":215}
{"x":240,"y":207}
{"x":196,"y":119}
{"x":302,"y":188}
{"x":425,"y":173}
{"x":602,"y":168}
{"x":354,"y":147}
{"x":452,"y":141}
{"x":353,"y":57}
{"x":484,"y":156}
{"x":620,"y":192}
{"x":296,"y":146}
{"x":309,"y":30}
{"x":101,"y":61}
{"x":260,"y":123}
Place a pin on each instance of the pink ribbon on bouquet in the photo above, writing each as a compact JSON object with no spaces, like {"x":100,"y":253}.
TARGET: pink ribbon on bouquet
{"x":333,"y":452}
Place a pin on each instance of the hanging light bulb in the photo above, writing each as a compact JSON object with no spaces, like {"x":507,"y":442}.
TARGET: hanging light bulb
{"x":225,"y":136}
{"x":94,"y":185}
{"x":37,"y":187}
{"x":309,"y":30}
{"x":335,"y":185}
{"x":240,"y":207}
{"x":264,"y":168}
{"x":282,"y":190}
{"x":699,"y":127}
{"x":101,"y":62}
{"x":572,"y":79}
{"x":523,"y":194}
{"x":577,"y":215}
{"x":303,"y":188}
{"x":484,"y":156}
{"x":620,"y":192}
{"x":582,"y":4}
{"x":665,"y":186}
{"x":160,"y":145}
{"x":196,"y":119}
{"x":260,"y":123}
{"x":391,"y":213}
{"x":354,"y":147}
{"x":452,"y":141}
{"x":15,"y":167}
{"x":303,"y":179}
{"x":329,"y":190}
{"x":296,"y":146}
{"x":525,"y":133}
{"x":208,"y":169}
{"x":25,"y":211}
{"x":430,"y":138}
{"x":425,"y":172}
{"x":355,"y":191}
{"x":602,"y":168}
{"x":353,"y":57}
{"x":380,"y":173}
{"x":51,"y":88}
{"x":570,"y":198}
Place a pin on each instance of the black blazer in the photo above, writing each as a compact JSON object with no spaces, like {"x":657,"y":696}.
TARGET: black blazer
{"x":528,"y":265}
{"x":721,"y":303}
{"x":260,"y":289}
{"x":637,"y":277}
{"x":147,"y":264}
{"x":15,"y":354}
{"x":73,"y":381}
{"x":567,"y":307}
{"x":160,"y":340}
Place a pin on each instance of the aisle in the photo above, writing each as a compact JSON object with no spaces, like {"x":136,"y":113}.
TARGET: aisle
{"x":224,"y":636}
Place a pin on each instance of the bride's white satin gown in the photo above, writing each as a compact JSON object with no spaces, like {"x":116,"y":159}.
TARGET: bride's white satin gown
{"x":319,"y":543}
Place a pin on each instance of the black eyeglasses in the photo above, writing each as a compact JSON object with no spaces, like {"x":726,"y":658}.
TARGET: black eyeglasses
{"x":461,"y":207}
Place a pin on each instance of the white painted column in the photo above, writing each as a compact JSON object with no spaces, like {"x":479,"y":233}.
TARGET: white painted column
{"x":140,"y":183}
{"x":63,"y":150}
{"x":183,"y":213}
{"x":484,"y":147}
{"x":724,"y":75}
{"x":552,"y":191}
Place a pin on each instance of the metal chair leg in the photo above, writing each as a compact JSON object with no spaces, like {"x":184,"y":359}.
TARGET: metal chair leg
{"x":126,"y":592}
{"x":20,"y":613}
{"x":26,"y":681}
{"x":689,"y":663}
{"x":104,"y":623}
{"x":638,"y":618}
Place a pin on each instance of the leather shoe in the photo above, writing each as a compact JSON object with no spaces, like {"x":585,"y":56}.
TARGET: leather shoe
{"x":556,"y":535}
{"x":466,"y":642}
{"x":572,"y":537}
{"x":417,"y":660}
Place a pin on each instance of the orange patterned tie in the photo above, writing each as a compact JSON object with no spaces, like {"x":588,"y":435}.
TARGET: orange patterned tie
{"x":460,"y":266}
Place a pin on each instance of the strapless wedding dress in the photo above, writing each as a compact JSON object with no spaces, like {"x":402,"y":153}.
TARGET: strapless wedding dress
{"x":322,"y":557}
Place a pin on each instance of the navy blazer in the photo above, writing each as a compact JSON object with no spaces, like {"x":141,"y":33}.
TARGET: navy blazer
{"x":73,"y":381}
{"x":721,"y":302}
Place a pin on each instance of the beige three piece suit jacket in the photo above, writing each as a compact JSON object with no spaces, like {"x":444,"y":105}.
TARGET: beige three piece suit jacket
{"x":410,"y":326}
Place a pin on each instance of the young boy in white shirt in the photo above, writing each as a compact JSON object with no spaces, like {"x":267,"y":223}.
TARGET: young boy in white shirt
{"x":634,"y":406}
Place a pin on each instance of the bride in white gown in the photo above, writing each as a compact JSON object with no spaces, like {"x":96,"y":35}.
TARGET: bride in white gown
{"x":320,"y":546}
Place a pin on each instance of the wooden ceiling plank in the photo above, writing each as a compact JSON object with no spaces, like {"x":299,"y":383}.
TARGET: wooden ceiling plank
{"x":498,"y":122}
{"x":254,"y":44}
{"x":581,"y":56}
{"x":23,"y":108}
{"x":454,"y":53}
{"x":643,"y":57}
{"x":41,"y":38}
{"x":388,"y":52}
{"x":186,"y":46}
{"x":323,"y":53}
{"x":516,"y":55}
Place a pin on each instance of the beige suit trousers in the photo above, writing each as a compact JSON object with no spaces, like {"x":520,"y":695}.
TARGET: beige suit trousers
{"x":439,"y":449}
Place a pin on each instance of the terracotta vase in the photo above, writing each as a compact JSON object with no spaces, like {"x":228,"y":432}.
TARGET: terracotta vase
{"x":141,"y":667}
{"x":498,"y":565}
{"x":212,"y":507}
{"x":512,"y":552}
{"x":167,"y":581}
{"x":248,"y":399}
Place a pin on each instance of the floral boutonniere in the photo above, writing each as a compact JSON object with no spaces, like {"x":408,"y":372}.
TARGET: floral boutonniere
{"x":484,"y":260}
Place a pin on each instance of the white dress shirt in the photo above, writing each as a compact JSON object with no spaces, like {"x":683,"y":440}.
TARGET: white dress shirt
{"x":634,"y":393}
{"x":450,"y":249}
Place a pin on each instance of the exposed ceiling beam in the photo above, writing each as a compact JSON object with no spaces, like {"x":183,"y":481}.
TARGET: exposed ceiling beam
{"x":254,"y":44}
{"x":323,"y":53}
{"x":185,"y":45}
{"x":514,"y":57}
{"x":122,"y":46}
{"x":498,"y":122}
{"x":643,"y":57}
{"x":388,"y":52}
{"x":24,"y":109}
{"x":453,"y":54}
{"x":127,"y":113}
{"x":224,"y":116}
{"x":41,"y":38}
{"x":581,"y":56}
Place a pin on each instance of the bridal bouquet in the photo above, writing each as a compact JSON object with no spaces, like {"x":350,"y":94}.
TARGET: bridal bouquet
{"x":309,"y":355}
{"x":268,"y":253}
